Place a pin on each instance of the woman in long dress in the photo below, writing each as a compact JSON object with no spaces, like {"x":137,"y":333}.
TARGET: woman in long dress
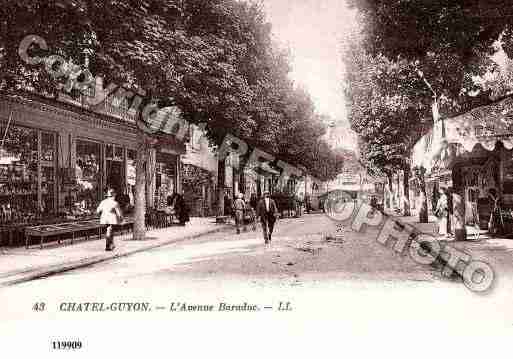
{"x":441,"y":213}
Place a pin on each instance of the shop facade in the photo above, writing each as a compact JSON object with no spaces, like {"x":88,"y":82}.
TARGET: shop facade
{"x":57,"y":160}
{"x":255,"y":180}
{"x":472,"y":159}
{"x":199,"y":174}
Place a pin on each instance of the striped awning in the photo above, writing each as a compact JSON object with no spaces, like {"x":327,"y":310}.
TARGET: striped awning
{"x":485,"y":125}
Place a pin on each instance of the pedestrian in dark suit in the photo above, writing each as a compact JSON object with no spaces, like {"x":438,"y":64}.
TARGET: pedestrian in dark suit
{"x":182,"y":209}
{"x":267,"y":211}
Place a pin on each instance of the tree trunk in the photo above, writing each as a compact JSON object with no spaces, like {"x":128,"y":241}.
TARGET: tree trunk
{"x":423,"y":213}
{"x":139,"y":231}
{"x":390,"y":192}
{"x":398,"y":192}
{"x":221,"y":172}
{"x":150,"y":178}
{"x":406,"y":185}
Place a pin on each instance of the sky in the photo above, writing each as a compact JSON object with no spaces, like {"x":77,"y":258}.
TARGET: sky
{"x":312,"y":30}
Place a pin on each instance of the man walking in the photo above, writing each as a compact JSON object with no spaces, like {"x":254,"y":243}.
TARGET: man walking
{"x":267,"y":211}
{"x":110,"y":216}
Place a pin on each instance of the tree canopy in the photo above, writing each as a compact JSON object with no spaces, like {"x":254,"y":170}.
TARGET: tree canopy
{"x":387,"y":103}
{"x":215,"y":60}
{"x":449,"y":41}
{"x":406,"y":53}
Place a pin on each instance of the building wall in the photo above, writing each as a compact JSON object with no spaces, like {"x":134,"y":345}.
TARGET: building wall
{"x":71,"y":125}
{"x":201,"y":195}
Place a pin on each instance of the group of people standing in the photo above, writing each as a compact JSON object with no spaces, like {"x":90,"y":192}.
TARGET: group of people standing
{"x":263,"y":210}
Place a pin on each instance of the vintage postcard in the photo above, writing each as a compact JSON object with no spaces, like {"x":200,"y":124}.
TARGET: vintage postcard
{"x":250,"y":178}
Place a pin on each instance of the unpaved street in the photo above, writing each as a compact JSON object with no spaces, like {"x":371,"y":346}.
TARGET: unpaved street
{"x":308,"y":265}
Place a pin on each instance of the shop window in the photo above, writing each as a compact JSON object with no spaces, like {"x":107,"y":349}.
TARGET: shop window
{"x":165,"y":178}
{"x":27,"y":174}
{"x":47,"y":147}
{"x":130,"y":175}
{"x":109,"y":151}
{"x":88,"y":173}
{"x":48,"y":168}
{"x":118,"y":153}
{"x":114,"y":168}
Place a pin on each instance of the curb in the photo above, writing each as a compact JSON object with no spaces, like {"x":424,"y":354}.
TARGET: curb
{"x":29,"y":275}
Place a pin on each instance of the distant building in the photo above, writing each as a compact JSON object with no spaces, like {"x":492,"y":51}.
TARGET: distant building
{"x":355,"y":180}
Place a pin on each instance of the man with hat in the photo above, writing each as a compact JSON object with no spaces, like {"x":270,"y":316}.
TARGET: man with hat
{"x":267,"y":211}
{"x":110,"y":215}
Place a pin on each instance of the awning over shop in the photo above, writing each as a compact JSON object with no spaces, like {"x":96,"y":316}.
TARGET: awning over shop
{"x":485,"y":125}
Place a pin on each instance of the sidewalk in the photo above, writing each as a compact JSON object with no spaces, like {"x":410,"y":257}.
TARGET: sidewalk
{"x":19,"y":264}
{"x":496,"y":251}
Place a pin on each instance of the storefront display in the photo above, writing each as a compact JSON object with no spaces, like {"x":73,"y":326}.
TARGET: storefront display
{"x":197,"y":188}
{"x":48,"y":172}
{"x":130,"y":176}
{"x":477,"y":181}
{"x":115,"y":175}
{"x":27,"y":174}
{"x":88,"y":174}
{"x":165,"y":178}
{"x":55,"y":163}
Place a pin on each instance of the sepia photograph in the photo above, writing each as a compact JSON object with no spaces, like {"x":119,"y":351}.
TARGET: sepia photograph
{"x":248,"y":178}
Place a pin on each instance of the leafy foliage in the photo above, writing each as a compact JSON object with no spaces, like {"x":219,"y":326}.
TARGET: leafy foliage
{"x":449,"y":41}
{"x":406,"y":53}
{"x":214,"y":59}
{"x":387,"y":102}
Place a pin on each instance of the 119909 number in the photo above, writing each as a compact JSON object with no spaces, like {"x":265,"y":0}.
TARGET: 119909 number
{"x":66,"y":345}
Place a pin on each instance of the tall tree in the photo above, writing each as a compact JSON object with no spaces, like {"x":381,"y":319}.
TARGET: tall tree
{"x":214,"y":60}
{"x":448,"y":44}
{"x":448,"y":40}
{"x":387,"y":102}
{"x":159,"y":47}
